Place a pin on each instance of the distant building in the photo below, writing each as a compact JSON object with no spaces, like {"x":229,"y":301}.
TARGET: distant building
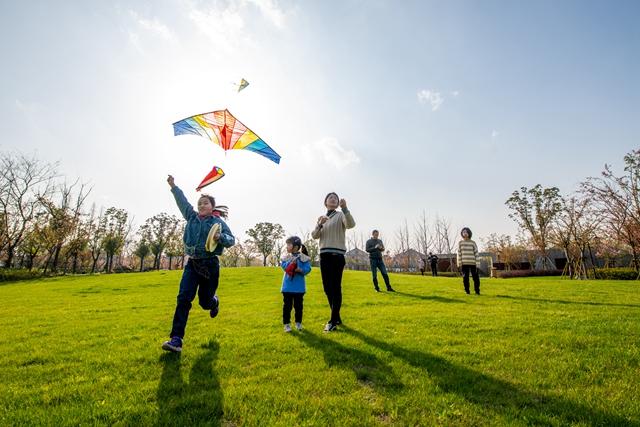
{"x":356,"y":259}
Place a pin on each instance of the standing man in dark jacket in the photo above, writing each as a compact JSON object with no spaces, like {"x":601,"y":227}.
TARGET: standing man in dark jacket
{"x":375,"y":247}
{"x":433,"y":260}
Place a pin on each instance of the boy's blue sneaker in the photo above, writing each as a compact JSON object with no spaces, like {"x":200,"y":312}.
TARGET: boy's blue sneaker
{"x":174,"y":345}
{"x":215,"y":310}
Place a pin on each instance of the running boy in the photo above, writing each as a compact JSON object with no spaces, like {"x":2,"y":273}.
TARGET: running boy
{"x":205,"y":236}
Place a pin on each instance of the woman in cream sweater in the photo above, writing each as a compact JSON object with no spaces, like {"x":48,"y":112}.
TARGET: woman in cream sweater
{"x":331,"y":229}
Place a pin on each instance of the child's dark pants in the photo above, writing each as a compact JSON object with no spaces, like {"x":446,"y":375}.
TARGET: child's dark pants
{"x":295,"y":300}
{"x":200,"y":276}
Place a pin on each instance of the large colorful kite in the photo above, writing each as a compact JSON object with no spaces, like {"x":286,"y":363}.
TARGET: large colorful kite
{"x":226,"y":131}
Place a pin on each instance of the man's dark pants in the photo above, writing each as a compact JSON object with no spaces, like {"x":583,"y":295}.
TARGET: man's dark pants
{"x":378,"y":263}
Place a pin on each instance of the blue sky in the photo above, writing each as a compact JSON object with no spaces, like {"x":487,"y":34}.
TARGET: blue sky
{"x":400,"y":107}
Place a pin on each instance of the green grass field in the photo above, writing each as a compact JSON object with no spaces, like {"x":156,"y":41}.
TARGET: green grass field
{"x":86,"y":350}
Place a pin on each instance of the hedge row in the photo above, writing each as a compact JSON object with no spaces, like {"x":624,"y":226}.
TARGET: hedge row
{"x":12,"y":275}
{"x":616,"y":274}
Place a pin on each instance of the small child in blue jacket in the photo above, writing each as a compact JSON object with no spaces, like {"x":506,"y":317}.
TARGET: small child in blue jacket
{"x":205,"y":236}
{"x":296,"y":265}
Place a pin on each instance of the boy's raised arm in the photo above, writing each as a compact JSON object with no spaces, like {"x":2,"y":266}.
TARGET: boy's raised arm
{"x":185,"y":207}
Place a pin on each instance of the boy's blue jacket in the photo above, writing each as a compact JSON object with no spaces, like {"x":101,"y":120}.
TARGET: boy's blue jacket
{"x":197,"y":229}
{"x":296,"y":283}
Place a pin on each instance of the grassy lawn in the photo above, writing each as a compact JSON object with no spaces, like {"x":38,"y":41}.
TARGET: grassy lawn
{"x":541,"y":351}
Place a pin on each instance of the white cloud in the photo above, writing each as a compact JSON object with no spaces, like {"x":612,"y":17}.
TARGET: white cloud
{"x":331,"y":151}
{"x":494,"y":133}
{"x":156,"y":27}
{"x":271,"y":11}
{"x":134,"y":39}
{"x":455,"y":93}
{"x":433,"y":98}
{"x":223,"y":26}
{"x":224,"y":23}
{"x":27,"y":108}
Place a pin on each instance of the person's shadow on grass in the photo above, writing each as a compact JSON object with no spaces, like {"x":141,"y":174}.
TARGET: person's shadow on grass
{"x":200,"y":401}
{"x":369,"y":369}
{"x":435,"y":298}
{"x":497,"y":395}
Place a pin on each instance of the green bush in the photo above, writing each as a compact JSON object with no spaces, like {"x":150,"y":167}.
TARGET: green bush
{"x":13,"y":275}
{"x":616,"y":274}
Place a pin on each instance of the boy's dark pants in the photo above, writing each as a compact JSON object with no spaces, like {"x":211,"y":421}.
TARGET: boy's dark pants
{"x":377,"y":263}
{"x":434,"y":270}
{"x":201,"y":276}
{"x":466,"y":269}
{"x":295,"y":300}
{"x":331,"y":268}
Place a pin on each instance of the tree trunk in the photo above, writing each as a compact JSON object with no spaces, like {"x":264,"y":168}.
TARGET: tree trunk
{"x":56,"y":255}
{"x":9,"y":258}
{"x":141,"y":263}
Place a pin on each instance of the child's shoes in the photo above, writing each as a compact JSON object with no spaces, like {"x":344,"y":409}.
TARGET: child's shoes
{"x":216,"y":309}
{"x":174,"y":345}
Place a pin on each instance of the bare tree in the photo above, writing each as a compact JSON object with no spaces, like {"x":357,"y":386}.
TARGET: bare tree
{"x":617,"y":198}
{"x":422,"y":235}
{"x":445,"y":237}
{"x":403,"y":241}
{"x":507,"y":251}
{"x":23,"y":182}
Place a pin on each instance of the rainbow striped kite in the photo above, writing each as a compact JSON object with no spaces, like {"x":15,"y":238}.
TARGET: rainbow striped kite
{"x":215,"y":174}
{"x":226,"y":131}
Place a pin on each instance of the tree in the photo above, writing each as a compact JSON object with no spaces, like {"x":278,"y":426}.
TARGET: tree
{"x":313,"y":247}
{"x":445,"y":238}
{"x":403,"y":241}
{"x":116,"y":231}
{"x":265,"y":235}
{"x":23,"y":182}
{"x":617,"y":199}
{"x":142,"y":250}
{"x":534,"y":210}
{"x":248,"y":252}
{"x":231,"y":256}
{"x":175,"y":247}
{"x":64,"y":218}
{"x":423,"y":236}
{"x":506,"y":251}
{"x":96,"y":230}
{"x":159,"y":229}
{"x":576,"y":226}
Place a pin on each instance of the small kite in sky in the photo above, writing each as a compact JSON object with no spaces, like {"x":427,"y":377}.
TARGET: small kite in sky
{"x":215,"y":174}
{"x":223,"y":129}
{"x":243,"y":84}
